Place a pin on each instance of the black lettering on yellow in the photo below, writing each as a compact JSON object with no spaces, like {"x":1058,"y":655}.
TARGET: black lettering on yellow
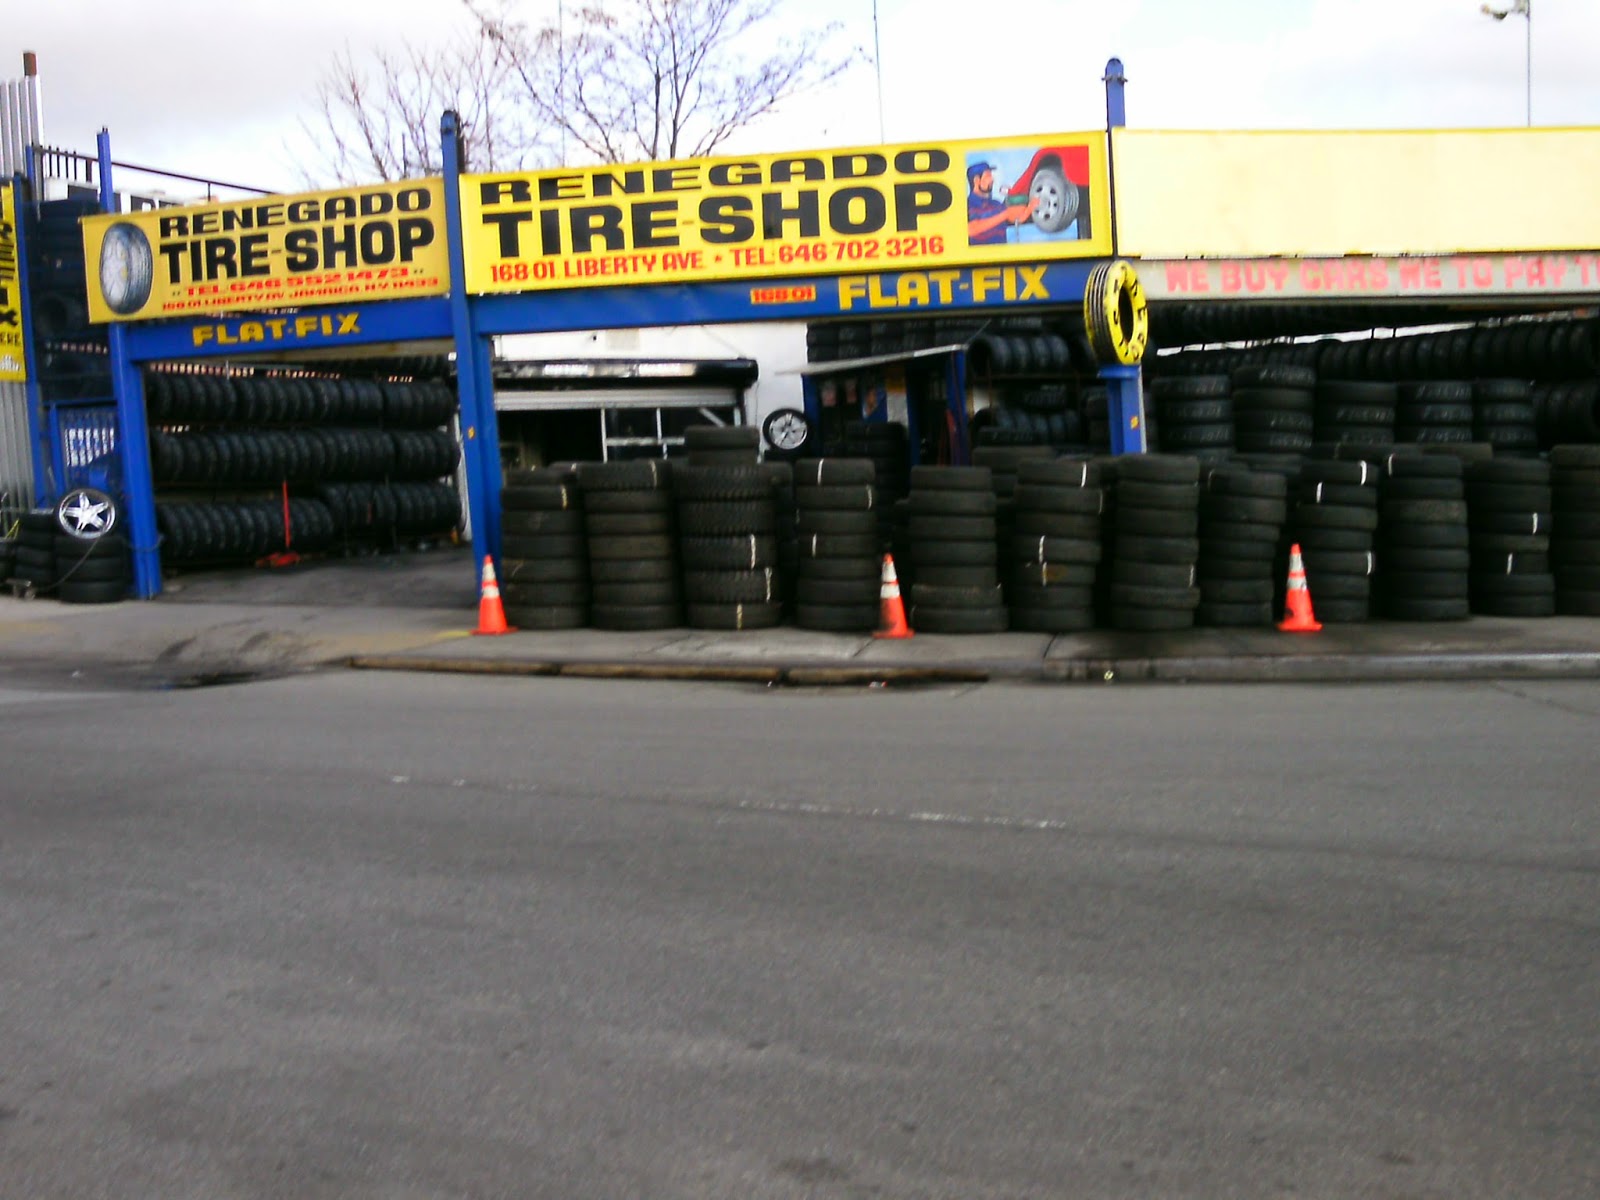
{"x":505,"y":191}
{"x":724,"y":220}
{"x":846,"y":203}
{"x":653,"y":222}
{"x":596,"y":221}
{"x":913,"y":201}
{"x":607,"y":183}
{"x":859,"y":166}
{"x":507,"y":223}
{"x":783,"y":169}
{"x":300,"y":249}
{"x":922,"y":162}
{"x":737,"y":174}
{"x":805,"y":214}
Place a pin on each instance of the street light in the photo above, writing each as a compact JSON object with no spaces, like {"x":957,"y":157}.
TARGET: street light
{"x":1520,"y":8}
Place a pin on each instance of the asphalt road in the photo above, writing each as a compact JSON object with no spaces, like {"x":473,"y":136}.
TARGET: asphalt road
{"x":388,"y":936}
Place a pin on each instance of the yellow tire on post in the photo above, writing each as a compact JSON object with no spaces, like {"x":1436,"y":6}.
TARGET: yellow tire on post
{"x":1116,"y":313}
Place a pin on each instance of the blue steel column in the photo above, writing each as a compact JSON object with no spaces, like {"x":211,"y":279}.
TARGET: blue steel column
{"x":480,"y":432}
{"x":133,"y":433}
{"x":1125,"y":408}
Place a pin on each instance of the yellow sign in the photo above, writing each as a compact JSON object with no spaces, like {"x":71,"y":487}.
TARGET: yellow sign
{"x":385,"y":242}
{"x":13,"y":353}
{"x":1284,"y":195}
{"x":884,"y":208}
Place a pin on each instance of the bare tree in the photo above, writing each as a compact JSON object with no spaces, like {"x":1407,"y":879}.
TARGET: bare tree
{"x":658,"y":79}
{"x":381,"y":122}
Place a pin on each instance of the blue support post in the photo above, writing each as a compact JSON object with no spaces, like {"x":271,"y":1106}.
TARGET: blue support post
{"x":480,"y":432}
{"x":956,"y":405}
{"x":1125,"y":408}
{"x":133,"y":433}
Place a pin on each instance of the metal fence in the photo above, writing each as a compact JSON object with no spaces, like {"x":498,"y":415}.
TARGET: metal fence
{"x":16,"y":461}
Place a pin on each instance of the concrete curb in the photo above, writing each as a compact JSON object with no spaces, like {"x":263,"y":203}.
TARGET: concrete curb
{"x":1346,"y":668}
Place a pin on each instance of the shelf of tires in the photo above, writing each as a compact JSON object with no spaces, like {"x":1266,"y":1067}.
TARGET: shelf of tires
{"x":248,"y":466}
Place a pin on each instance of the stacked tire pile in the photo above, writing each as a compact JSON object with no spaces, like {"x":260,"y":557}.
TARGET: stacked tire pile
{"x":8,"y":558}
{"x":544,"y":565}
{"x":1274,"y":408}
{"x":1196,"y":414}
{"x":252,"y":529}
{"x":839,"y":568}
{"x":633,"y":555}
{"x":1509,"y":517}
{"x":1004,"y":464}
{"x":1436,"y":413}
{"x":727,"y":526}
{"x":722,"y":445}
{"x":1567,"y":412}
{"x":1503,"y":417}
{"x":1335,"y":521}
{"x":953,"y":545}
{"x":1156,"y":546}
{"x":1575,"y":538}
{"x":1423,"y":545}
{"x":34,"y":565}
{"x":888,"y":445}
{"x":362,"y":461}
{"x":1055,"y":547}
{"x":1356,"y":413}
{"x":1242,"y":514}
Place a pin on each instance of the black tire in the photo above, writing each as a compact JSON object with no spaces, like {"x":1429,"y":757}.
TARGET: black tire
{"x":1152,"y":620}
{"x":826,"y":472}
{"x":925,"y":619}
{"x":1426,"y":585}
{"x":837,"y":618}
{"x":788,"y":433}
{"x":544,"y":595}
{"x":1223,"y":615}
{"x":744,"y":482}
{"x":725,"y":518}
{"x":1156,"y":550}
{"x":841,"y":570}
{"x":759,"y":586}
{"x":928,"y":595}
{"x":635,"y":475}
{"x":951,"y":529}
{"x":837,"y":545}
{"x":628,"y":524}
{"x":1440,"y":608}
{"x":551,"y":570}
{"x":633,"y":570}
{"x":635,"y":617}
{"x":1043,"y":548}
{"x":847,"y":592}
{"x":735,"y":617}
{"x":1334,"y":516}
{"x":1042,"y":523}
{"x":823,"y":520}
{"x":660,"y":592}
{"x":1059,"y":472}
{"x":1052,"y":620}
{"x":85,"y":514}
{"x":1158,"y":522}
{"x":960,"y":479}
{"x":740,"y":552}
{"x":642,"y":546}
{"x":545,"y":546}
{"x":92,"y":592}
{"x":546,"y":617}
{"x":954,"y":554}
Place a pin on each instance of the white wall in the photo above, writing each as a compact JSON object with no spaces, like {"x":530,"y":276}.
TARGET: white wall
{"x":778,"y":347}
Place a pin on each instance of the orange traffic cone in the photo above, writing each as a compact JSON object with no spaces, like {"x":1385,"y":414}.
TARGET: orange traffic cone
{"x":491,"y":614}
{"x":1299,"y":618}
{"x":893,"y":620}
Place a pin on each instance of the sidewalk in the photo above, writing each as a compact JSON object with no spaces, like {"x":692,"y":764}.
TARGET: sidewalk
{"x":416,"y":612}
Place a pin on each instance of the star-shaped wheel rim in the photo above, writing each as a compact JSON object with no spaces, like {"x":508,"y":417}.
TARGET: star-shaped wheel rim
{"x":88,"y":515}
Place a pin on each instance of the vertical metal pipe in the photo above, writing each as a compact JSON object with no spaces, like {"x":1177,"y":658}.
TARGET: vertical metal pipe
{"x":480,"y":436}
{"x":133,"y":432}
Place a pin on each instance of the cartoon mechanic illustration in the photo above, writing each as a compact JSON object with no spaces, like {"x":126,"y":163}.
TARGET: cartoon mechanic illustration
{"x":987,"y":218}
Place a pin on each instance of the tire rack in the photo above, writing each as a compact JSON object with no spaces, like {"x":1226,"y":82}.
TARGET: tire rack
{"x":251,"y":465}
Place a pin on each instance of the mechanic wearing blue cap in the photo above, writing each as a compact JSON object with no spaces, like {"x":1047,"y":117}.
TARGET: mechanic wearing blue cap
{"x":987,"y":218}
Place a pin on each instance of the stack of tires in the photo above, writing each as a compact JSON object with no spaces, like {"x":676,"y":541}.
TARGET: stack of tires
{"x":953,"y":545}
{"x":92,"y":563}
{"x":780,"y":477}
{"x":727,"y":520}
{"x":1334,"y":522}
{"x":1509,"y":517}
{"x":1356,"y":413}
{"x":1503,"y":417}
{"x":1437,"y":413}
{"x":722,"y":445}
{"x":8,"y":558}
{"x":1423,"y":559}
{"x":1196,"y":414}
{"x":1156,"y":547}
{"x":1575,"y":538}
{"x":887,"y":444}
{"x":839,"y":569}
{"x":1274,"y":408}
{"x":1055,"y":548}
{"x":633,"y":556}
{"x":36,"y":551}
{"x":1005,"y":462}
{"x":1242,"y":513}
{"x":544,"y":562}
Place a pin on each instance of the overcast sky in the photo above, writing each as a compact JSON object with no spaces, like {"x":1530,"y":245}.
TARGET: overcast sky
{"x":219,"y":89}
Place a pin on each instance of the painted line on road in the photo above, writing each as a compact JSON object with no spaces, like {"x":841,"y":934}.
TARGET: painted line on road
{"x":919,"y":817}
